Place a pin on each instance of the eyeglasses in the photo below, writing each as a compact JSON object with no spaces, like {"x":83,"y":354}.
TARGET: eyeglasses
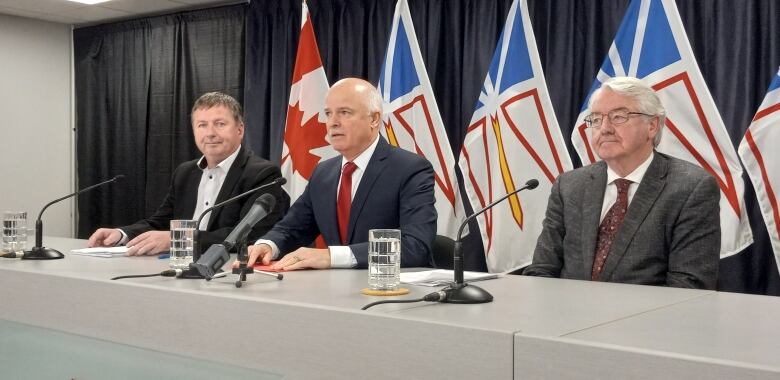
{"x":616,"y":117}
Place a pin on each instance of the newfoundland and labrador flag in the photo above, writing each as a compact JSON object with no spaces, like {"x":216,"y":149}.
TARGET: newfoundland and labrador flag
{"x":513,"y":137}
{"x":651,"y":44}
{"x":305,"y":134}
{"x":761,"y":157}
{"x":411,"y":116}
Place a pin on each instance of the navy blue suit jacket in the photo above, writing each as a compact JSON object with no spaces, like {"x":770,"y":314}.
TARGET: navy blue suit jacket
{"x":396,"y":191}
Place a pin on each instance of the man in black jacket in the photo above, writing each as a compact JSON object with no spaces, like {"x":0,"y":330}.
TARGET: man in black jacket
{"x":225,"y":170}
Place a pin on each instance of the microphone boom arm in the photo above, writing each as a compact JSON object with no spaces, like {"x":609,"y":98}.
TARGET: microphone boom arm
{"x":457,"y":253}
{"x":77,"y":193}
{"x":38,"y":252}
{"x":195,"y":240}
{"x":459,"y":291}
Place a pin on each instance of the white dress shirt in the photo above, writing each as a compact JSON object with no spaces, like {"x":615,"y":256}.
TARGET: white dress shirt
{"x":611,"y":193}
{"x":210,"y":184}
{"x":341,"y":256}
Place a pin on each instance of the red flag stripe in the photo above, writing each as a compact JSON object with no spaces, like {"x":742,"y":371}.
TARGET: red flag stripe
{"x":728,"y":188}
{"x":770,"y":193}
{"x":307,"y":59}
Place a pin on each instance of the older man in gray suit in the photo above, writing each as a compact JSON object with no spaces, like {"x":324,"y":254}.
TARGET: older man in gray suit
{"x":638,"y":216}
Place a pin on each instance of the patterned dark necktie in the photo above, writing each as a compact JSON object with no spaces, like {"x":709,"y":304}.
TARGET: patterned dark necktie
{"x":344,"y":201}
{"x":609,"y":227}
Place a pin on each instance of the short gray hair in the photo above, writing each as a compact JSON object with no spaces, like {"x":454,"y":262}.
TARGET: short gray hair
{"x":373,"y":98}
{"x":645,"y":97}
{"x":213,"y":99}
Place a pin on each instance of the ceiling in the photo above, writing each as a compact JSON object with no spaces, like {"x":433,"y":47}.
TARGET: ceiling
{"x":68,"y":12}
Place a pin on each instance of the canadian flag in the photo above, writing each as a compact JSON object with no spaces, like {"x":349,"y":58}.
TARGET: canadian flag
{"x":305,"y":134}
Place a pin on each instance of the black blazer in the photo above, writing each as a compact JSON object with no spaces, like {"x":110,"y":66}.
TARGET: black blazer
{"x":248,"y":172}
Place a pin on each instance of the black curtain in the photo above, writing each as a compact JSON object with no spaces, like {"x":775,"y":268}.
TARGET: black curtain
{"x":135,"y":84}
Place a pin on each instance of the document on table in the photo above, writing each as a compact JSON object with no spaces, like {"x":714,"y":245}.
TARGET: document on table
{"x":439,"y":277}
{"x":101,"y":251}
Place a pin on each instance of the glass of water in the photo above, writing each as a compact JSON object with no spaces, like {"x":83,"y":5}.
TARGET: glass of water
{"x":384,"y":259}
{"x":14,"y":231}
{"x":182,"y":232}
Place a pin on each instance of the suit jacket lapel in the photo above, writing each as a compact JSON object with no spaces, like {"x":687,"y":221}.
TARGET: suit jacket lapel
{"x":376,"y":165}
{"x":593,"y":194}
{"x":328,"y":190}
{"x":231,"y":179}
{"x":648,"y":191}
{"x":189,"y":197}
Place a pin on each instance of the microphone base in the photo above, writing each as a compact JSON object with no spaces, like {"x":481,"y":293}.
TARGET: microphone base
{"x":191,"y":274}
{"x":42,"y":253}
{"x":242,"y":271}
{"x":466,"y":294}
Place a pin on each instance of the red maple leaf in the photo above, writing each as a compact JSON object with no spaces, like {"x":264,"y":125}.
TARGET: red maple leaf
{"x":301,"y":138}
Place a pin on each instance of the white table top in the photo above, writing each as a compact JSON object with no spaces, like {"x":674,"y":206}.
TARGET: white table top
{"x":311,"y":322}
{"x":722,"y":326}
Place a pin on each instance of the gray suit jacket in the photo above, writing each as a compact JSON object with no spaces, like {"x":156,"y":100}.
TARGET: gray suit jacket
{"x":670,"y":235}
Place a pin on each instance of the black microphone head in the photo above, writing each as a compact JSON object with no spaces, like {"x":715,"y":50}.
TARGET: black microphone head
{"x":531,"y":184}
{"x":281,"y":181}
{"x":267,"y":201}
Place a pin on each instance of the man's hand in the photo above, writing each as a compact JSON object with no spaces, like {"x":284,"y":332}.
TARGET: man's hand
{"x":104,"y":237}
{"x":303,"y":258}
{"x":149,"y":243}
{"x":261,"y":253}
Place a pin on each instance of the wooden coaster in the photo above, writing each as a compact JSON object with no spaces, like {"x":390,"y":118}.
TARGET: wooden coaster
{"x":397,"y":292}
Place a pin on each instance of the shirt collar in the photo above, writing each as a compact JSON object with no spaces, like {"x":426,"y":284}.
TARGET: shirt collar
{"x":225,"y":164}
{"x":635,"y":176}
{"x":362,"y":159}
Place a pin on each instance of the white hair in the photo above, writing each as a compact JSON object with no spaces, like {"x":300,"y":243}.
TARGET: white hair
{"x":645,"y":97}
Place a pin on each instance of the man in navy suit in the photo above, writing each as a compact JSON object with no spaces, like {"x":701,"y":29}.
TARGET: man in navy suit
{"x":371,"y":185}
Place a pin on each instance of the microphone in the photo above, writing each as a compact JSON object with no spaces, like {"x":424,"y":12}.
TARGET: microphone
{"x":460,"y":292}
{"x":263,"y":205}
{"x":39,"y":252}
{"x":195,"y":244}
{"x":191,"y":272}
{"x":218,"y":254}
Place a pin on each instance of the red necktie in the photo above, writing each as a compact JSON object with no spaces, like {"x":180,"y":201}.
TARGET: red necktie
{"x":609,"y":227}
{"x":344,"y":201}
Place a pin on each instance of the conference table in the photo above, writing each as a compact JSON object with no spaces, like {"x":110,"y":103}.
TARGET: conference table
{"x":67,"y":319}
